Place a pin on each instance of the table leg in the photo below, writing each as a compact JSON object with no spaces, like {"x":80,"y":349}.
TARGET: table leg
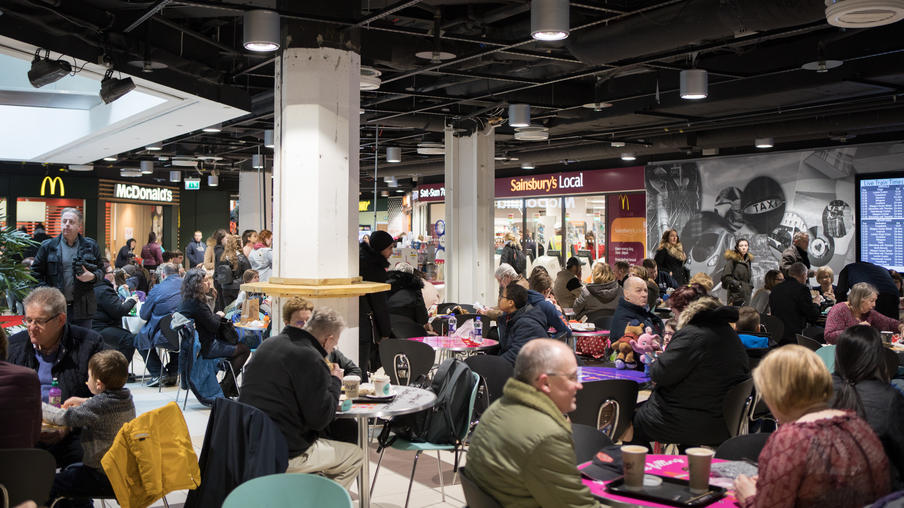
{"x":364,"y":483}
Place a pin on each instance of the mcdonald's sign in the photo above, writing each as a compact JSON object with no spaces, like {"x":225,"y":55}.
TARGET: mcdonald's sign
{"x":53,"y":181}
{"x":624,"y":203}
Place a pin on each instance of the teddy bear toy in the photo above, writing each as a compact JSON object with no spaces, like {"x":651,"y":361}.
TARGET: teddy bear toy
{"x":622,"y":347}
{"x":647,"y":346}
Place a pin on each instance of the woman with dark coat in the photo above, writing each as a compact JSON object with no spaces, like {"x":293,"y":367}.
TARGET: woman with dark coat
{"x":512,"y":254}
{"x":704,"y":360}
{"x":670,"y":257}
{"x":862,"y":385}
{"x":405,"y":297}
{"x":737,"y":273}
{"x":108,"y":317}
{"x":125,"y":254}
{"x":373,"y":309}
{"x":208,"y":325}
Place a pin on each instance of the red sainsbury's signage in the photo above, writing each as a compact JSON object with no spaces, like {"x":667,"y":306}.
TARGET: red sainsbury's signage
{"x":575,"y":182}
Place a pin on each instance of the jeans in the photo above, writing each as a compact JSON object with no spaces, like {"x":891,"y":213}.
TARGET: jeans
{"x":81,"y":482}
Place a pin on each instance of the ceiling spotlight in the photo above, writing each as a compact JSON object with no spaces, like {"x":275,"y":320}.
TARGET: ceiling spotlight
{"x":597,"y":106}
{"x":628,"y":156}
{"x":175,"y":176}
{"x":257,"y":161}
{"x":217,"y":127}
{"x":370,"y":78}
{"x":431,"y":148}
{"x":147,"y":167}
{"x":435,"y":56}
{"x":153,"y":147}
{"x":694,"y":84}
{"x":112,"y":88}
{"x":130,"y":172}
{"x":549,"y":20}
{"x":519,"y":115}
{"x":527,"y":165}
{"x":617,"y":144}
{"x":863,"y":13}
{"x":111,"y":159}
{"x":393,"y":154}
{"x":268,"y":138}
{"x":764,"y":143}
{"x":45,"y":71}
{"x":261,"y":30}
{"x":213,"y":180}
{"x":81,"y":167}
{"x":821,"y":65}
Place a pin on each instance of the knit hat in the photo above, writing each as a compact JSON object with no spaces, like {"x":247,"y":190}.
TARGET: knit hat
{"x":379,"y":240}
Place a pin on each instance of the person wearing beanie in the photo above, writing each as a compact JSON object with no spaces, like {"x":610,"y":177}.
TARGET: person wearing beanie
{"x":373,"y":308}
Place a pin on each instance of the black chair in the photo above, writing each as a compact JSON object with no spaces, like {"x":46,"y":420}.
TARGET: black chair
{"x":404,"y":327}
{"x":601,"y":319}
{"x":26,"y":474}
{"x":165,"y":325}
{"x":441,"y":324}
{"x":495,"y":372}
{"x":755,"y":355}
{"x":406,"y":360}
{"x":774,"y":327}
{"x":607,"y":405}
{"x":743,"y":447}
{"x":892,"y":362}
{"x":588,"y":441}
{"x":443,"y":308}
{"x":807,"y":342}
{"x":736,"y":407}
{"x":475,"y":497}
{"x":816,"y":333}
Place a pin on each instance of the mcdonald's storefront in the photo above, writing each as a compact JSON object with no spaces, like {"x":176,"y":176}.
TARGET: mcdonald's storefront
{"x":597,"y":215}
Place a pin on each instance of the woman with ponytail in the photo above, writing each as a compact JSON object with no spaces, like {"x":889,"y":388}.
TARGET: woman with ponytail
{"x":862,"y":385}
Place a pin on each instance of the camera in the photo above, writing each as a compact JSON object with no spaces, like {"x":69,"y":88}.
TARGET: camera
{"x":83,"y":262}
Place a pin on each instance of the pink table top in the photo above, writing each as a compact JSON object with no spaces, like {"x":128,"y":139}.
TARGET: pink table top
{"x":592,"y":333}
{"x":674,"y":466}
{"x":455,"y":343}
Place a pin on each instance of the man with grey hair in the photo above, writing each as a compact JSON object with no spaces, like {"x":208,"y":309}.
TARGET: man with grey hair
{"x":797,"y":253}
{"x":632,"y":306}
{"x":71,"y":263}
{"x":792,"y":302}
{"x":292,"y":381}
{"x":163,"y":300}
{"x":522,"y":453}
{"x":56,"y":350}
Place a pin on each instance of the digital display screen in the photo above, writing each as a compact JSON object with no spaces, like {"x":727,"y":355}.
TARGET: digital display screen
{"x":882,"y":222}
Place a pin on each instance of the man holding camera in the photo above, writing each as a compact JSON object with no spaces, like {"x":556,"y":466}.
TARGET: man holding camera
{"x":71,"y":263}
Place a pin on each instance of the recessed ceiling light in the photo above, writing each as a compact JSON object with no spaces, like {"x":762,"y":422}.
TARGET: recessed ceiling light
{"x":213,"y":128}
{"x":532,"y":133}
{"x":628,"y":156}
{"x":764,"y":143}
{"x":81,"y":167}
{"x":154,"y":147}
{"x":821,"y":65}
{"x":597,"y":106}
{"x":863,"y":13}
{"x":110,"y":159}
{"x":527,"y":165}
{"x":617,"y":144}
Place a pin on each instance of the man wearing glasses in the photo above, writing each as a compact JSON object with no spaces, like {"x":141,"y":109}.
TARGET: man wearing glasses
{"x":71,"y":263}
{"x":55,"y":350}
{"x":522,"y":452}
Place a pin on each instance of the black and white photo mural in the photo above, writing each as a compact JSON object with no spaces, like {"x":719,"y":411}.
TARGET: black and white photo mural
{"x":763,"y":198}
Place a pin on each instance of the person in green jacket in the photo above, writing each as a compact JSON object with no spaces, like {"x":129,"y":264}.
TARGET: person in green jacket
{"x":522,"y":453}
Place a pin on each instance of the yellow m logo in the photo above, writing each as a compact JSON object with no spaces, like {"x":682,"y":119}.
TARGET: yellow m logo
{"x":624,"y":202}
{"x":53,"y":182}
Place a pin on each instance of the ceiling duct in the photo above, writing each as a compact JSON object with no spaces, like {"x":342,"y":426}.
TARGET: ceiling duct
{"x":684,"y":24}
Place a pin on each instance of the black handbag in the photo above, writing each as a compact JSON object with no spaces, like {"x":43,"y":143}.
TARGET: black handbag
{"x":228,"y":333}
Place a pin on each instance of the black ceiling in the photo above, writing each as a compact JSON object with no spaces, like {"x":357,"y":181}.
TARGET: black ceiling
{"x":623,"y":52}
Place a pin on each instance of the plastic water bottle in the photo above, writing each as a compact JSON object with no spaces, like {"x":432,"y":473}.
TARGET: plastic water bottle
{"x":453,"y":324}
{"x":55,"y":395}
{"x":478,"y":330}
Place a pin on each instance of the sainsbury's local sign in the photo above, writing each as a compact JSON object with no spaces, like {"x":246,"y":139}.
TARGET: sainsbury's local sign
{"x":574,"y":182}
{"x":142,"y":193}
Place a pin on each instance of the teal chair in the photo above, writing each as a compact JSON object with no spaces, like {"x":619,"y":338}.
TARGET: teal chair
{"x":418,"y":448}
{"x":827,"y":355}
{"x":292,"y":489}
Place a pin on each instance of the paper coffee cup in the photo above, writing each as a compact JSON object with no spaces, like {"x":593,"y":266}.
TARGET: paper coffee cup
{"x":351,"y":385}
{"x":634,"y":458}
{"x":699,"y":461}
{"x":381,"y":385}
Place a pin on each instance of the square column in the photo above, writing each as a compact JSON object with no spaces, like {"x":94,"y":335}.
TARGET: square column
{"x":255,"y":200}
{"x":470,"y":169}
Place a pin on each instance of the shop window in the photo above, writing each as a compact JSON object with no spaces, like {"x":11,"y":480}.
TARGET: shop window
{"x":508,"y":217}
{"x":585,"y":223}
{"x":31,"y":211}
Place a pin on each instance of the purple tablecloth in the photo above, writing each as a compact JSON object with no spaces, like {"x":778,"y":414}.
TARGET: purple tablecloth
{"x":590,"y":374}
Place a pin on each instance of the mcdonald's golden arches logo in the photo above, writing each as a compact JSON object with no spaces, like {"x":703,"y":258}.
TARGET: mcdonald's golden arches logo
{"x":53,"y":181}
{"x":624,"y":203}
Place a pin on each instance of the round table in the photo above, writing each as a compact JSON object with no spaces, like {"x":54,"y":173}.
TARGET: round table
{"x":409,"y":399}
{"x":258,"y":331}
{"x":447,"y":345}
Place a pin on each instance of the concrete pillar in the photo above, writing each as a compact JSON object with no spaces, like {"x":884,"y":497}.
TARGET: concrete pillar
{"x":470,"y":192}
{"x":255,"y":200}
{"x":315,"y":174}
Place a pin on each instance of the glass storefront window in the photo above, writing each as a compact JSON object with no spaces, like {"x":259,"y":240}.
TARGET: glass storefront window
{"x":544,"y":224}
{"x":585,"y":222}
{"x":508,"y":217}
{"x":30,"y":211}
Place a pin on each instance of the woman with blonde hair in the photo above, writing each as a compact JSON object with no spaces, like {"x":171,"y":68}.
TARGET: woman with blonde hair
{"x":859,"y":309}
{"x":818,"y":457}
{"x":512,"y":254}
{"x":214,"y":249}
{"x":229,"y":270}
{"x":825,"y":277}
{"x":670,"y":257}
{"x":601,"y":294}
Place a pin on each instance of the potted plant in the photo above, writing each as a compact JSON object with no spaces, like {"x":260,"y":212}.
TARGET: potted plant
{"x":15,"y":277}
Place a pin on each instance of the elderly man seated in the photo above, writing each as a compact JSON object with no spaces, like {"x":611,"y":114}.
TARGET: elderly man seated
{"x":522,"y":453}
{"x":291,"y":381}
{"x":633,"y":305}
{"x":59,"y":351}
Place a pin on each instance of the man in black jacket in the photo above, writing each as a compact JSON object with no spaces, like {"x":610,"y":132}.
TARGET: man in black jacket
{"x":289,"y":379}
{"x":797,"y":253}
{"x":71,"y":263}
{"x":373,"y":309}
{"x":520,"y":322}
{"x":194,"y":251}
{"x":57,"y":350}
{"x":110,"y":311}
{"x":633,"y":305}
{"x":792,"y":302}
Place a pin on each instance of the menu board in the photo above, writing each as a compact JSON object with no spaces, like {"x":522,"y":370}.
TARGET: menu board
{"x":882,"y":222}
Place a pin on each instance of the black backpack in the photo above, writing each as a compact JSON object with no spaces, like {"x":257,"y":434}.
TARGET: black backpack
{"x":223,"y":274}
{"x":520,"y":261}
{"x":443,"y":423}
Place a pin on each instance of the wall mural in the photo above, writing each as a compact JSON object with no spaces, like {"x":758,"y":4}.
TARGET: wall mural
{"x":764,"y":198}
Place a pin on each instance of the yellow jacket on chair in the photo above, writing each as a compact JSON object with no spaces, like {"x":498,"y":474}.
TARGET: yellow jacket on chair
{"x":151,"y":456}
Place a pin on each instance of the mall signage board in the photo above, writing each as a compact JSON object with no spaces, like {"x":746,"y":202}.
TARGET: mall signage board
{"x":112,"y":190}
{"x":574,"y":182}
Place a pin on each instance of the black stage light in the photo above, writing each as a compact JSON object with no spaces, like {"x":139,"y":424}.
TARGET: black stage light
{"x":112,"y":88}
{"x":45,"y":71}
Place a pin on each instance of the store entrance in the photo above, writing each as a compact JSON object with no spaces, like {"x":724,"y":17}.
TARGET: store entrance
{"x":126,"y":220}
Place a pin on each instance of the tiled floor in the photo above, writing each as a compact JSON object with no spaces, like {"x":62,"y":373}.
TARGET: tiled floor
{"x":392,"y":482}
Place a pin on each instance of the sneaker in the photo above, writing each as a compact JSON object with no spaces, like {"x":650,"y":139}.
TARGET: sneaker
{"x":153,"y":383}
